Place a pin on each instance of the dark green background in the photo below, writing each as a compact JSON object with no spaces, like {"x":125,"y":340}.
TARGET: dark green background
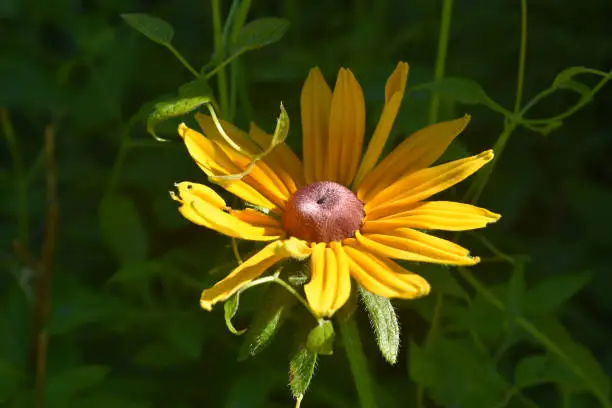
{"x":134,"y":336}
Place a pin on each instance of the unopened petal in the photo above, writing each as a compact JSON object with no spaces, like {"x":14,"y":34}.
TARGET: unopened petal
{"x":330,"y":285}
{"x":202,"y":206}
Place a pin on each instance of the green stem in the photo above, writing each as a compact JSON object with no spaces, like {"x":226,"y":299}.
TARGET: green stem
{"x":431,"y":335}
{"x":583,"y":101}
{"x":21,"y":180}
{"x":530,"y":328}
{"x":357,"y":362}
{"x":183,"y":60}
{"x":447,"y":11}
{"x":522,"y":56}
{"x":219,"y":53}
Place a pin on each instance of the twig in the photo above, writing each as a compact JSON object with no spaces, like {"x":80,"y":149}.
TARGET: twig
{"x":44,"y":267}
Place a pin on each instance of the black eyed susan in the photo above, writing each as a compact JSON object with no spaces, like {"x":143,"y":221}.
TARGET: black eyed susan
{"x":350,"y":214}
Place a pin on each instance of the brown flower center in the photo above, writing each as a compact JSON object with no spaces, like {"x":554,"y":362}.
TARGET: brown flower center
{"x":323,"y":212}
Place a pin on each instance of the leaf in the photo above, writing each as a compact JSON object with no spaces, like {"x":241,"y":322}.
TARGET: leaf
{"x":62,"y":387}
{"x":456,"y":373}
{"x":576,"y":357}
{"x":230,"y":307}
{"x":173,"y":108}
{"x":301,"y":371}
{"x":185,"y":332}
{"x":462,"y":90}
{"x":122,"y":229}
{"x":541,"y":369}
{"x":154,"y":28}
{"x":260,"y":32}
{"x":516,"y":292}
{"x":321,"y":339}
{"x":195,"y":88}
{"x":569,"y":73}
{"x":548,"y":295}
{"x":11,"y":380}
{"x":385,"y":324}
{"x":269,"y":317}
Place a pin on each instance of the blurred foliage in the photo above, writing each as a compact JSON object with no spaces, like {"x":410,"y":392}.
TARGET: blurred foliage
{"x":528,"y":327}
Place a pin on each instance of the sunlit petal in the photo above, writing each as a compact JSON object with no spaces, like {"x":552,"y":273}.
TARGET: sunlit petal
{"x":382,"y":276}
{"x":315,"y":105}
{"x":413,"y":245}
{"x":418,"y":151}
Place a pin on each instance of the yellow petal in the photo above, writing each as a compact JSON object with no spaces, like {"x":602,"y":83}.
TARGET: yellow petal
{"x":202,"y":206}
{"x":262,"y":175}
{"x":382,"y":276}
{"x":394,"y":92}
{"x":315,"y":104}
{"x":412,"y":245}
{"x":330,"y":284}
{"x":433,"y":215}
{"x":346,"y":129}
{"x":243,"y":274}
{"x":424,"y":183}
{"x":418,"y":151}
{"x":281,"y":159}
{"x":214,"y":161}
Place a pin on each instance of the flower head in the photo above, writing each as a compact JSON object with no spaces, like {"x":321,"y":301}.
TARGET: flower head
{"x":347,"y":212}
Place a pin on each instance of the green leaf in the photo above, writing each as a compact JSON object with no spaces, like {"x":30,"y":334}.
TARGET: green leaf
{"x":456,"y":373}
{"x":541,"y":369}
{"x":575,"y":356}
{"x":569,"y":73}
{"x":301,"y":371}
{"x":11,"y":380}
{"x":173,"y":108}
{"x":462,"y":90}
{"x":196,"y":88}
{"x":385,"y":324}
{"x":548,"y":295}
{"x":259,"y":33}
{"x":122,"y":229}
{"x":516,"y":292}
{"x":321,"y":339}
{"x":269,"y":317}
{"x":154,"y":28}
{"x":230,"y":307}
{"x":62,"y":387}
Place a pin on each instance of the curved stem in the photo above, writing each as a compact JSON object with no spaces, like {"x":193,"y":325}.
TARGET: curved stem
{"x":522,"y":55}
{"x":219,"y":53}
{"x":182,"y":60}
{"x":447,"y":11}
{"x":357,"y":362}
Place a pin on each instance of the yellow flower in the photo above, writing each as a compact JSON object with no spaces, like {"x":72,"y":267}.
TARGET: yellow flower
{"x":350,"y":215}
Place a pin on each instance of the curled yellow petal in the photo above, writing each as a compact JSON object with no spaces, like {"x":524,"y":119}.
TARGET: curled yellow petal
{"x":201,"y":205}
{"x":315,"y":105}
{"x":433,"y":215}
{"x":424,"y":183}
{"x":418,"y":151}
{"x":346,"y":129}
{"x":382,"y":276}
{"x":412,"y":245}
{"x":330,"y":284}
{"x":394,"y":93}
{"x":243,"y":274}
